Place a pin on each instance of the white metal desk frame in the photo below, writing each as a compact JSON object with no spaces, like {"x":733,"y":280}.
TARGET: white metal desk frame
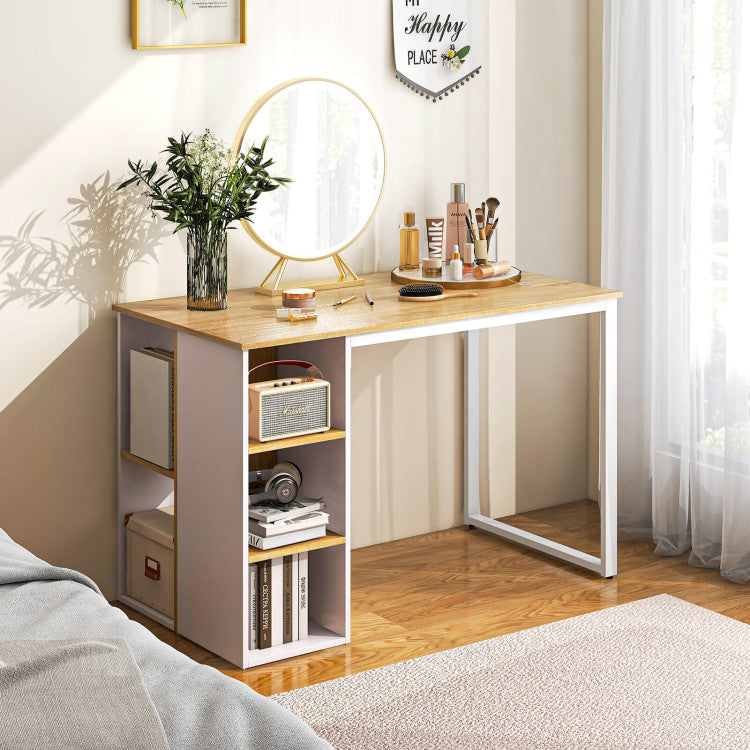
{"x":606,"y":565}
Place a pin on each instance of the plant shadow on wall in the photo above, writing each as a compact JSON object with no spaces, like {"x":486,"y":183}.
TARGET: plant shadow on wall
{"x":58,"y":434}
{"x":108,"y":232}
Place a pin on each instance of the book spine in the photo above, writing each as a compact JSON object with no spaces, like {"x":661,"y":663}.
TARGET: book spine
{"x":288,"y":599}
{"x":303,"y":595}
{"x":264,"y":604}
{"x":256,"y":541}
{"x":253,"y":608}
{"x":309,"y":521}
{"x":295,"y":597}
{"x":277,"y":601}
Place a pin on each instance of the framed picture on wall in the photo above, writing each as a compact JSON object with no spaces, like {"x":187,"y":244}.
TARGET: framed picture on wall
{"x":169,"y":24}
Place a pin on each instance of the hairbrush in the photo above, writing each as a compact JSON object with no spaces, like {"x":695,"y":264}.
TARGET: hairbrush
{"x":428,"y":293}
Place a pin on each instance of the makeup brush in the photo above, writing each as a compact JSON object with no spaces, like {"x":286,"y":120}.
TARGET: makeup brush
{"x":344,"y":301}
{"x":492,"y":206}
{"x":480,"y":217}
{"x":428,"y":293}
{"x":484,"y":209}
{"x":491,"y":230}
{"x":468,"y":225}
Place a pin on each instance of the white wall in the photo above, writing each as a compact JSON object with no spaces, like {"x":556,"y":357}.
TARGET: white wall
{"x":552,"y":238}
{"x":78,"y":102}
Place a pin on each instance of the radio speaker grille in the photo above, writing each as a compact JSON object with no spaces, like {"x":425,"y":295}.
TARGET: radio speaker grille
{"x":285,"y":413}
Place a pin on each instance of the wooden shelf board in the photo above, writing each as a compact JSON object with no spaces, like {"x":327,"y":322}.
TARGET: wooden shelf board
{"x":318,"y":639}
{"x":329,"y":540}
{"x":148,"y":464}
{"x":277,"y":445}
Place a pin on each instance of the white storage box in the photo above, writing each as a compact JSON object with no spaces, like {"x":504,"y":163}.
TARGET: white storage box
{"x":150,"y":558}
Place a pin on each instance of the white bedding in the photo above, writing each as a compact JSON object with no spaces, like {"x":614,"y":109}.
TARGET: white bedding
{"x":198,"y":706}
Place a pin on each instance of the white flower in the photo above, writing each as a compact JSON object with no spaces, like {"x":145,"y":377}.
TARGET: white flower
{"x":211,"y":155}
{"x":456,"y":63}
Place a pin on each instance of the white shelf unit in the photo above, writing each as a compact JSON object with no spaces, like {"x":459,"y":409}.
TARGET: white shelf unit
{"x":210,"y":493}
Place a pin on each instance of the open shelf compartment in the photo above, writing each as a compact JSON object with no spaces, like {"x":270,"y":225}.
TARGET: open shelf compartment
{"x":142,"y":485}
{"x":328,"y":625}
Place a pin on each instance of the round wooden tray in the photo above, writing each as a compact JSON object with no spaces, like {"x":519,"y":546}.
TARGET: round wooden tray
{"x":467,"y":282}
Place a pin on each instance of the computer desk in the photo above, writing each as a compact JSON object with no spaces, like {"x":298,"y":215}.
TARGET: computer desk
{"x":213,"y":454}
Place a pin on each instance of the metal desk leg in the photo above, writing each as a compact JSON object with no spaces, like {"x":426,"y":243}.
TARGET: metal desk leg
{"x":608,"y":437}
{"x":471,"y":425}
{"x":606,"y":565}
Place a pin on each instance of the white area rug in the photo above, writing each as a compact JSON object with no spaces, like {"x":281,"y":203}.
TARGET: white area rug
{"x":656,"y":673}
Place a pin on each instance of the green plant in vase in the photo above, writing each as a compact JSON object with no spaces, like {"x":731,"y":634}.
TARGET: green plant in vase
{"x":203,"y":189}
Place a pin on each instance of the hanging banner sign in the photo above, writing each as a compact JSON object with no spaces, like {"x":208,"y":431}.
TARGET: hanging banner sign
{"x":436,"y":44}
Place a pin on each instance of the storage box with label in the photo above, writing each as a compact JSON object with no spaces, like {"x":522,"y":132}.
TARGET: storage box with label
{"x":150,"y":558}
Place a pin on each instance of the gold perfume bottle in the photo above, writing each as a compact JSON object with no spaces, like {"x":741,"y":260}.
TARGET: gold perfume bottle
{"x":409,"y":235}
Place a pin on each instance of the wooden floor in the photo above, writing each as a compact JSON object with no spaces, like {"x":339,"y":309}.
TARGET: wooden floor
{"x":433,"y":592}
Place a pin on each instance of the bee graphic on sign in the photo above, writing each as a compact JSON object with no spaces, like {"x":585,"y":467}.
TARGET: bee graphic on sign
{"x":455,"y":59}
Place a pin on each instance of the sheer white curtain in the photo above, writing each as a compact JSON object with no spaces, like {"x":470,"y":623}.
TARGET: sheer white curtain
{"x":676,"y":240}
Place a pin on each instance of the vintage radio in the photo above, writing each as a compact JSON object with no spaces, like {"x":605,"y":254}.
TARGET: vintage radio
{"x":289,"y":407}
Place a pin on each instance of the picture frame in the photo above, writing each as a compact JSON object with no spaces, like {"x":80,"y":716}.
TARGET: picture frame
{"x":183,"y":24}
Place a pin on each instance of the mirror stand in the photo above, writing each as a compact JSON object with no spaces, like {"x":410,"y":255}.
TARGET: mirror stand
{"x":271,"y":286}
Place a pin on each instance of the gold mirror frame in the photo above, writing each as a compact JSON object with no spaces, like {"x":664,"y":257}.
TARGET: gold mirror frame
{"x":271,"y":285}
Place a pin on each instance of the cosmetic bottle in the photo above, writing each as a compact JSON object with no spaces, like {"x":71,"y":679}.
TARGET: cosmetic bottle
{"x":435,"y":229}
{"x":467,"y":258}
{"x":455,"y":229}
{"x":409,"y":235}
{"x":456,"y":267}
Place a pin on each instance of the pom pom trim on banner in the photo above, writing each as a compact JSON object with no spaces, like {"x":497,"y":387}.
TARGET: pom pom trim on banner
{"x":442,"y":94}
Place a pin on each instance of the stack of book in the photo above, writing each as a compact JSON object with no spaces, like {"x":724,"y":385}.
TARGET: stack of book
{"x":278,"y":601}
{"x":274,"y":525}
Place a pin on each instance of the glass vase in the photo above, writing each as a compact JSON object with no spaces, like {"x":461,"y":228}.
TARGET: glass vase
{"x":206,"y":268}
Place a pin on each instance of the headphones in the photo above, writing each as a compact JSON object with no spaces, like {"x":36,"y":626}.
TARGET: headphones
{"x":282,"y":483}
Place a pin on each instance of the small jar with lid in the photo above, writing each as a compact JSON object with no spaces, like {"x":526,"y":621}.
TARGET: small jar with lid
{"x":300,"y":298}
{"x":432,"y":268}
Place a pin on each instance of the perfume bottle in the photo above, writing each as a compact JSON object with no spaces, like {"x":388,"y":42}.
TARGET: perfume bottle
{"x":458,"y":211}
{"x":409,"y":235}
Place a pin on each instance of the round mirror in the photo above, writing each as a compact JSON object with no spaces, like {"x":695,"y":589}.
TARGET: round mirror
{"x":324,"y":137}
